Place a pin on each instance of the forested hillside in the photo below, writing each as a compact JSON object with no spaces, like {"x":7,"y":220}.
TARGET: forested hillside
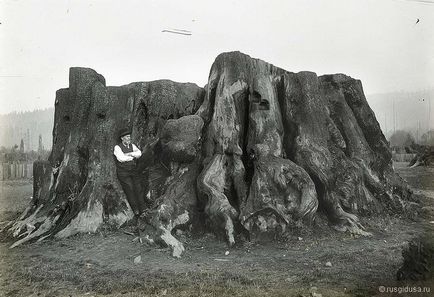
{"x":27,"y":126}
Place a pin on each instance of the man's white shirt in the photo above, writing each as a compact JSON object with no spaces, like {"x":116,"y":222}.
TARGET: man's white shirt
{"x":121,"y":157}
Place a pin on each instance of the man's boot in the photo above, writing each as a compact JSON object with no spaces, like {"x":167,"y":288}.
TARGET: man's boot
{"x":137,"y":223}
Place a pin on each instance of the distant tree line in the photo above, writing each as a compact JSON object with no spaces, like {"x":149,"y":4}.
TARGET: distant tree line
{"x":404,"y":142}
{"x":27,"y":127}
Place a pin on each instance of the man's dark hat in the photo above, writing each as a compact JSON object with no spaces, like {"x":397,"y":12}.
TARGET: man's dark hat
{"x":124,"y":131}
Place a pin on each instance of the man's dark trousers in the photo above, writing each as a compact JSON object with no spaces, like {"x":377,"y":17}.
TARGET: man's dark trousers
{"x":131,"y":184}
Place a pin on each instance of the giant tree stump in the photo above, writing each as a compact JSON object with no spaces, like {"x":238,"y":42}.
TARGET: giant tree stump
{"x":259,"y":149}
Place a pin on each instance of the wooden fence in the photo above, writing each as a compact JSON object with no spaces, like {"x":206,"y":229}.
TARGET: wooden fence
{"x":16,"y":170}
{"x":402,"y":157}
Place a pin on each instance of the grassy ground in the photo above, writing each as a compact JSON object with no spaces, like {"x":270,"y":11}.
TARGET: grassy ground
{"x":14,"y":197}
{"x":103,"y":264}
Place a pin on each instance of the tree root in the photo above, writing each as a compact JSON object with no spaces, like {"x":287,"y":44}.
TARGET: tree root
{"x":163,"y":227}
{"x":33,"y":233}
{"x":415,"y":164}
{"x":176,"y":246}
{"x":211,"y":183}
{"x":348,"y":222}
{"x":265,"y":211}
{"x":229,"y":228}
{"x":23,"y":224}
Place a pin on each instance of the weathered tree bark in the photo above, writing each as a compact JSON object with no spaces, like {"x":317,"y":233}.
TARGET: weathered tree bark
{"x":259,"y":150}
{"x":77,"y":190}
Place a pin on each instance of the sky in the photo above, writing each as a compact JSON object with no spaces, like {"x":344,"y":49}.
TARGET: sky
{"x":376,"y":41}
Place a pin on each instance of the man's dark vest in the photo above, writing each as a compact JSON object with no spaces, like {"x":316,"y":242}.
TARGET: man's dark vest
{"x":129,"y":165}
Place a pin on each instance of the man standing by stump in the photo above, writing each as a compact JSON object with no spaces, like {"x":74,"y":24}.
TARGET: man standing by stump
{"x":126,"y":154}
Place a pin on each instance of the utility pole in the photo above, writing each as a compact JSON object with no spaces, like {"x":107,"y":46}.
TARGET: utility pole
{"x":40,"y":146}
{"x":394,"y":117}
{"x":385,"y":124}
{"x":429,"y":118}
{"x":429,"y":113}
{"x":28,"y":140}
